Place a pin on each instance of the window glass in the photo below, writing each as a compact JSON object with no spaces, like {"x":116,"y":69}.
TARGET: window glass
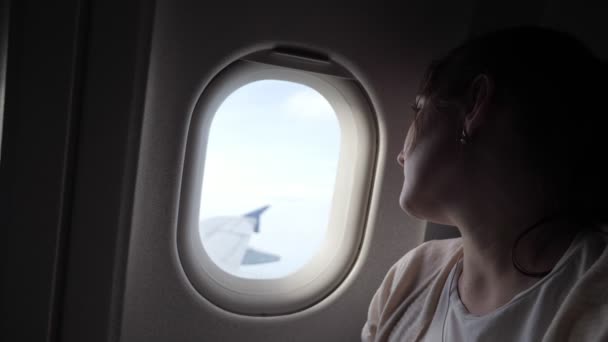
{"x":268,"y":181}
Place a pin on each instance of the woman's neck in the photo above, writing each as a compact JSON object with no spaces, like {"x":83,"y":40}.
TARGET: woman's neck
{"x":489,"y":278}
{"x":503,"y":198}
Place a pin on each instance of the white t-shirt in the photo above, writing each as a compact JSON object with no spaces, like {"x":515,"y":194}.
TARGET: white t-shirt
{"x":526,"y":317}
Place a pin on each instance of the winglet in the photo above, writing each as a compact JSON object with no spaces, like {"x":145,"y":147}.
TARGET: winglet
{"x":256,"y":215}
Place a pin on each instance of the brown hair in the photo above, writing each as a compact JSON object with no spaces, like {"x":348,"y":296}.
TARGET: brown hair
{"x":555,"y":87}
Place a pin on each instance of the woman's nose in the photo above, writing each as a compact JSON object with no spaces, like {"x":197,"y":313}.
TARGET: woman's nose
{"x":400,"y":158}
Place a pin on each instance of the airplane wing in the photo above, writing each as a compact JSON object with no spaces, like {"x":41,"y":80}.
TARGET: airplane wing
{"x":226,"y":240}
{"x":254,"y":257}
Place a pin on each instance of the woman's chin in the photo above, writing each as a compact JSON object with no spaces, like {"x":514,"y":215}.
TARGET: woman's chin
{"x":408,"y":205}
{"x":423,"y":210}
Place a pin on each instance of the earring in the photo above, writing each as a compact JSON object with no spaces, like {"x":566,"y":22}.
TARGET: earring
{"x":464,"y":137}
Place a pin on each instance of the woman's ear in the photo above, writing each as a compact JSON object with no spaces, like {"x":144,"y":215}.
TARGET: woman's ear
{"x":478,"y":102}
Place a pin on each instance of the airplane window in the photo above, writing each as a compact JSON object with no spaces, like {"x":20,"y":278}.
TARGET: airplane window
{"x":278,"y":171}
{"x":269,"y":176}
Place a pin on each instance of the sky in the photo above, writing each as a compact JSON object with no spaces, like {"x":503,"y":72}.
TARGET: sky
{"x":274,"y":143}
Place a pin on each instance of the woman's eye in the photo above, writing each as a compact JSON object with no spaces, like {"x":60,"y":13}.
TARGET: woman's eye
{"x":415,"y":108}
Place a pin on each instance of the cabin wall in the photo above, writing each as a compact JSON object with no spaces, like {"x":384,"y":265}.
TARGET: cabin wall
{"x":586,"y":19}
{"x":36,"y":165}
{"x":94,"y":127}
{"x":385,"y":47}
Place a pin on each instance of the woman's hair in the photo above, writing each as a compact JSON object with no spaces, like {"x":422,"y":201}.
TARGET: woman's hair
{"x":556,"y":91}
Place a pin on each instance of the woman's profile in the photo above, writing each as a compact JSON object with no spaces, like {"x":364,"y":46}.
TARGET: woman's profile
{"x":507,"y":145}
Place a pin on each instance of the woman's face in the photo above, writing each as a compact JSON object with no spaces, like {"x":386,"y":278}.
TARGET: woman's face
{"x":429,"y":160}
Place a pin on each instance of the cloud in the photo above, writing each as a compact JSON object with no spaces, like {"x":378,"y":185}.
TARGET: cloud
{"x":309,"y":104}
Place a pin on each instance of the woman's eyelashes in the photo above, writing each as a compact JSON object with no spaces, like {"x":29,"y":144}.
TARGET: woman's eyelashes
{"x":417,"y":105}
{"x":415,"y":108}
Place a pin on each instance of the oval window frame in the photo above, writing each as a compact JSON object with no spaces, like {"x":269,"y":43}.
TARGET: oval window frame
{"x":352,"y":190}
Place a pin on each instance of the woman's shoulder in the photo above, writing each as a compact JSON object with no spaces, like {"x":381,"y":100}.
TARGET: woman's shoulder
{"x":580,"y":317}
{"x":416,"y":276}
{"x":425,"y":259}
{"x":432,"y":253}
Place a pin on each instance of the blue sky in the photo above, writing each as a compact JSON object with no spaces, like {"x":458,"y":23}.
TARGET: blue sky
{"x":274,"y":143}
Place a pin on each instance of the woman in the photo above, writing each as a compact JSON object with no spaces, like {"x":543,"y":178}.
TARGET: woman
{"x":506,"y":145}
